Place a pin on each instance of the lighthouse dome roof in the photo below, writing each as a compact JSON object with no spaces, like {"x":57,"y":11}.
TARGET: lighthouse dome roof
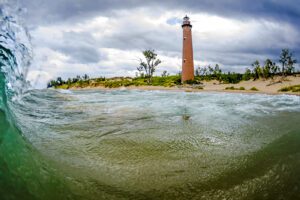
{"x":186,"y":18}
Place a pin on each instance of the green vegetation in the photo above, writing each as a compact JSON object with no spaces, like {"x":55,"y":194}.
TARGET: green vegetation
{"x":79,"y":82}
{"x":287,"y":61}
{"x":148,"y":66}
{"x":198,"y":87}
{"x":233,"y":88}
{"x":209,"y":73}
{"x":254,"y":89}
{"x":268,"y":70}
{"x":294,"y":88}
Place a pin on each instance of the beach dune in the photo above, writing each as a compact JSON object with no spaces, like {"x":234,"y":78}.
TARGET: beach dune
{"x":269,"y":86}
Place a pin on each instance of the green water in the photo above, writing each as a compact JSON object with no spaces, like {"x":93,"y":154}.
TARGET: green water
{"x":141,"y":145}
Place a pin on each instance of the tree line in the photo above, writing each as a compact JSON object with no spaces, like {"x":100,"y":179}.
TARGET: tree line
{"x":149,"y":64}
{"x":266,"y":70}
{"x":59,"y":81}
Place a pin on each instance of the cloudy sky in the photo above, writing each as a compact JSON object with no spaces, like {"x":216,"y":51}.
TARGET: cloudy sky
{"x":106,"y":37}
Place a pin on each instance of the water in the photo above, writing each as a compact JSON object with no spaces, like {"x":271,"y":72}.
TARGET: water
{"x":126,"y":144}
{"x":153,"y":145}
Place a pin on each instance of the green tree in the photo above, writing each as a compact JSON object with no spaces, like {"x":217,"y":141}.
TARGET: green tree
{"x":198,"y":71}
{"x":164,"y":74}
{"x":247,"y":75}
{"x":270,"y":69}
{"x":204,"y":71}
{"x":274,"y":69}
{"x":69,"y":81}
{"x":267,"y":68}
{"x":287,"y":61}
{"x":149,"y":66}
{"x":290,"y":64}
{"x":217,"y":69}
{"x":217,"y":72}
{"x":76,"y":79}
{"x":257,"y":71}
{"x":52,"y":83}
{"x":59,"y":81}
{"x":210,"y":70}
{"x":85,"y":77}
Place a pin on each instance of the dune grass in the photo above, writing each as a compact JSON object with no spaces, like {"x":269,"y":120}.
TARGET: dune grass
{"x":254,"y":89}
{"x":293,"y":88}
{"x":168,"y":81}
{"x":233,"y":88}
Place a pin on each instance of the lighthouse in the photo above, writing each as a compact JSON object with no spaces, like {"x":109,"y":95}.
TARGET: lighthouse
{"x":187,"y":51}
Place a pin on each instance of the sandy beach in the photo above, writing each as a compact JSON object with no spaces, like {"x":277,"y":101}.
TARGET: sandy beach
{"x":270,"y":86}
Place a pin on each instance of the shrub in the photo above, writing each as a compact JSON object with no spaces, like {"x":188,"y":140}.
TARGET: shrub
{"x":190,"y":82}
{"x":284,"y":89}
{"x":233,"y":88}
{"x":294,"y":88}
{"x":247,"y":75}
{"x":254,"y":89}
{"x":65,"y":87}
{"x":199,"y":87}
{"x":100,"y":79}
{"x":230,"y":88}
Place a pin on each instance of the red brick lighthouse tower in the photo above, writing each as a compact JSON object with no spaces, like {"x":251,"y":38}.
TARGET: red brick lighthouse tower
{"x":187,"y":51}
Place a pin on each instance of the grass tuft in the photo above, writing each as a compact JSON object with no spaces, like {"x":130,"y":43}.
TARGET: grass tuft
{"x":233,"y":88}
{"x":254,"y":89}
{"x":293,"y":88}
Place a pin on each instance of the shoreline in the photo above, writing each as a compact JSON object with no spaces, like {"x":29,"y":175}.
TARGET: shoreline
{"x":184,"y":89}
{"x":269,"y":87}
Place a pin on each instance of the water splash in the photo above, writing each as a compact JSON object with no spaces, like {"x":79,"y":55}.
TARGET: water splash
{"x":15,"y":51}
{"x":24,"y":174}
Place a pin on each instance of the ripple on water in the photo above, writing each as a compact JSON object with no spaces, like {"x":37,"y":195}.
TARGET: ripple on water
{"x":165,"y":142}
